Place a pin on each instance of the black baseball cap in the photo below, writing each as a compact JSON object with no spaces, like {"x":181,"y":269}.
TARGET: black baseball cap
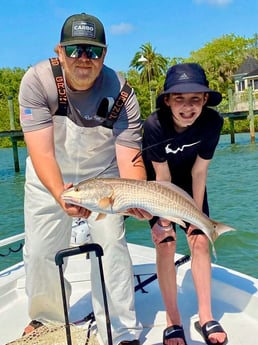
{"x":188,"y":78}
{"x":83,"y":29}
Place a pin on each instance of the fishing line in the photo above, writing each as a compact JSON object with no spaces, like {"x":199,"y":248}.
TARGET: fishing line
{"x":149,"y":147}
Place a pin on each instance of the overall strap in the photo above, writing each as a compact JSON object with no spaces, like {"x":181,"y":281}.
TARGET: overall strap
{"x":60,"y":85}
{"x":118,"y":105}
{"x":111,"y":117}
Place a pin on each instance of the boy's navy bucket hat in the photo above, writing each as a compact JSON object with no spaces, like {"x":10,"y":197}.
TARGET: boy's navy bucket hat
{"x":188,"y":78}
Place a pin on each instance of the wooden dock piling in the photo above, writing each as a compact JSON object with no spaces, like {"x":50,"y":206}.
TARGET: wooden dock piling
{"x":234,"y":115}
{"x":13,"y":134}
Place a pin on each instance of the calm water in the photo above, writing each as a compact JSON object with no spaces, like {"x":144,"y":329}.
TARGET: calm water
{"x":233,"y":199}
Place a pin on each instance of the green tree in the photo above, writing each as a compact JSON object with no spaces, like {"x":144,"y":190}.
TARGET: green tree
{"x":220,"y":58}
{"x":152,"y":67}
{"x":150,"y":64}
{"x":9,"y":87}
{"x":253,"y":48}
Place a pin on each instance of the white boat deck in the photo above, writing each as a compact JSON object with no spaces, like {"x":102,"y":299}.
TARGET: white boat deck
{"x":235,"y":300}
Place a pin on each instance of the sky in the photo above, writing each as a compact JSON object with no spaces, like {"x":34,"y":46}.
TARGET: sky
{"x":30,"y":29}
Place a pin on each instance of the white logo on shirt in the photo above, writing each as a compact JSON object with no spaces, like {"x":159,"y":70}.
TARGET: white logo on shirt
{"x":169,"y":150}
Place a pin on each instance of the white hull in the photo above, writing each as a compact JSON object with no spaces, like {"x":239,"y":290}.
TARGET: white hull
{"x":234,"y":298}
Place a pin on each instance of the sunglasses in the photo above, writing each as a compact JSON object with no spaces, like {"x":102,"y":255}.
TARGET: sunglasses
{"x":76,"y":51}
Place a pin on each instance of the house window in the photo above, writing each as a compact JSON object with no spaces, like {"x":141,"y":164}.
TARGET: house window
{"x":241,"y":85}
{"x":255,"y":84}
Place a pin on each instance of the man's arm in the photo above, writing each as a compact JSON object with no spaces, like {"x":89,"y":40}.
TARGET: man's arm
{"x":127,"y":168}
{"x":41,"y":150}
{"x":40,"y":144}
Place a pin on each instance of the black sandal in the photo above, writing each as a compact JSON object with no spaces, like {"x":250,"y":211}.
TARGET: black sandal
{"x":173,"y":332}
{"x":209,"y":328}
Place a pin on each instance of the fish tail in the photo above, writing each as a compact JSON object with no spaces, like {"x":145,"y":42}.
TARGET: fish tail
{"x":221,"y":228}
{"x":214,"y":251}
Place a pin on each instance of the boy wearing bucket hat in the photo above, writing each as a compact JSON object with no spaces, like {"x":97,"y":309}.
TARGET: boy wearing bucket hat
{"x":179,"y":142}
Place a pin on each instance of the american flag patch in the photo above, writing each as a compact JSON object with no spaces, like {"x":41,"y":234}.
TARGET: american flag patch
{"x":26,"y":114}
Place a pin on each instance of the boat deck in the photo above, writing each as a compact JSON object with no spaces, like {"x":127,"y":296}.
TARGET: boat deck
{"x":234,"y":299}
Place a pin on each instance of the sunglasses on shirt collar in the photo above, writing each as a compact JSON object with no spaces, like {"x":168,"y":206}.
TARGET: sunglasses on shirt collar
{"x":76,"y":51}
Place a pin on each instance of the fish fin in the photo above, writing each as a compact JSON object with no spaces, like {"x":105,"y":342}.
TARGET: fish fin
{"x":214,"y":251}
{"x":124,"y":213}
{"x":101,"y":216}
{"x":177,"y":220}
{"x":105,"y":202}
{"x":177,"y":189}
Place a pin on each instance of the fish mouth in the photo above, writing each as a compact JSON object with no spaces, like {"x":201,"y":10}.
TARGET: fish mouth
{"x":71,"y":200}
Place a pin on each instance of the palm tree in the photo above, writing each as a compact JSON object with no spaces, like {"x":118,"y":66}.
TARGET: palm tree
{"x":152,"y":68}
{"x":150,"y":64}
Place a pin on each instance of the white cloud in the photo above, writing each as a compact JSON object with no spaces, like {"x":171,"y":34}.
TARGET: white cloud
{"x":120,"y":29}
{"x":214,"y":2}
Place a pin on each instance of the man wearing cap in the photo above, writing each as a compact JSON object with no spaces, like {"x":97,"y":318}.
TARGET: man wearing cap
{"x":179,"y":142}
{"x":68,"y":143}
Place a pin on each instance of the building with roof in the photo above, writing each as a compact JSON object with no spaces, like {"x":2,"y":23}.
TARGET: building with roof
{"x":246,"y":76}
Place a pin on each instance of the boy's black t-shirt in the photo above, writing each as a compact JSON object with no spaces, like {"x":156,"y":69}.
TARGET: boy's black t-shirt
{"x":162,"y":143}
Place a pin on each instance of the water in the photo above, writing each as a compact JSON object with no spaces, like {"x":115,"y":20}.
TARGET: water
{"x":233,"y":199}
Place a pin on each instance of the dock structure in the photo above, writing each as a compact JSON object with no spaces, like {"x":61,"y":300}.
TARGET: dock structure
{"x":240,"y":115}
{"x":233,"y":115}
{"x":247,"y":112}
{"x":14,"y":135}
